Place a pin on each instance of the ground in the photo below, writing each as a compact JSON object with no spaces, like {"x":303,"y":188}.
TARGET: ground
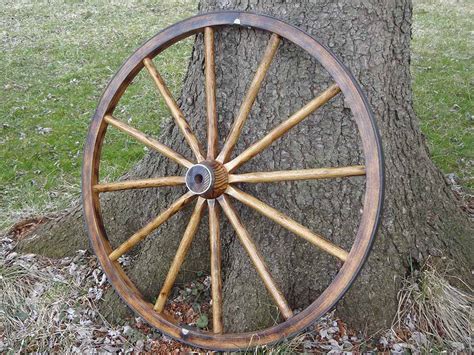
{"x":56,"y":58}
{"x":54,"y":305}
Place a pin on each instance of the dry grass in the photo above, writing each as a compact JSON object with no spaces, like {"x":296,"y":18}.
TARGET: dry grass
{"x":431,"y":306}
{"x":292,"y":346}
{"x":49,"y":305}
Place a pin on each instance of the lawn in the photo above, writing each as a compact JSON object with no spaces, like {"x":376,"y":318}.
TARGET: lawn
{"x":56,"y":57}
{"x":443,"y":81}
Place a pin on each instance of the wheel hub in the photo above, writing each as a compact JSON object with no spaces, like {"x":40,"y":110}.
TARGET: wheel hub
{"x":208,"y":179}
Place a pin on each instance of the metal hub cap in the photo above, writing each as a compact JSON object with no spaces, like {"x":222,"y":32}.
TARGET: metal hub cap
{"x":208,"y":179}
{"x":200,"y":179}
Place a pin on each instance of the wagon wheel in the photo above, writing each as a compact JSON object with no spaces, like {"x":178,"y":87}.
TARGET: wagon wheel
{"x":210,"y":181}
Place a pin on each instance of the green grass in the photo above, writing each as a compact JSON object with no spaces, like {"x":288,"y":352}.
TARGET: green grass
{"x":56,"y":58}
{"x":443,"y":81}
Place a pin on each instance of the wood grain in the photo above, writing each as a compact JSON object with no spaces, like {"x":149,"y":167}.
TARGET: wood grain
{"x":150,"y":227}
{"x":210,"y":73}
{"x":256,"y":257}
{"x":221,"y":179}
{"x":249,"y":99}
{"x":305,"y":174}
{"x":216,"y":269}
{"x":181,"y":253}
{"x":139,"y":184}
{"x":288,"y":223}
{"x":148,"y":141}
{"x":282,"y":128}
{"x":175,"y":110}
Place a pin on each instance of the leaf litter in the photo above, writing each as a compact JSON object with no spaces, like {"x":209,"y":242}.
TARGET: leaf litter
{"x":51,"y":305}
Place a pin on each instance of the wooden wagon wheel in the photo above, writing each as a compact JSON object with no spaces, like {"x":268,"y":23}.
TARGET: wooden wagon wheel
{"x":210,"y":181}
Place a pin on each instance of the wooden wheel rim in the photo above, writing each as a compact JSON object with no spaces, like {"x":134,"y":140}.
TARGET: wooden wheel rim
{"x":372,"y":201}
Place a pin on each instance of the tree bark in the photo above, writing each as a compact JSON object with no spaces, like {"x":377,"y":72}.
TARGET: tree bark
{"x":421,"y":216}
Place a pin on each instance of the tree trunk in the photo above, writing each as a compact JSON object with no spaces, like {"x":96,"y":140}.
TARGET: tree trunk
{"x":421,"y":215}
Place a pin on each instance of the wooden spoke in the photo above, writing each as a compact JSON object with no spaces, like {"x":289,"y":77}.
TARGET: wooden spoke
{"x":249,"y":99}
{"x":210,"y":94}
{"x":284,"y":127}
{"x":306,"y":174}
{"x":180,"y":255}
{"x":255,"y":256}
{"x":149,"y":142}
{"x":216,"y":272}
{"x":286,"y":222}
{"x":175,"y":110}
{"x":150,"y":227}
{"x":140,"y":184}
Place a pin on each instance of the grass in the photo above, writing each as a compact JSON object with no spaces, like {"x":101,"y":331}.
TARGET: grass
{"x":56,"y":58}
{"x":430,"y":305}
{"x":47,"y":306}
{"x":443,"y":80}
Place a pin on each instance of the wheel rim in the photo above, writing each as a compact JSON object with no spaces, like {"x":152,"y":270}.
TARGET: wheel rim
{"x":91,"y":188}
